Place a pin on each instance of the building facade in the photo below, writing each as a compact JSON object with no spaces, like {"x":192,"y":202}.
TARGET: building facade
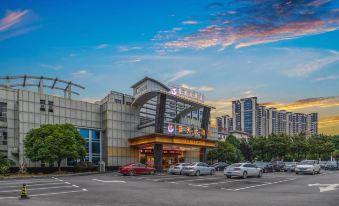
{"x":161,"y":124}
{"x":258,"y":120}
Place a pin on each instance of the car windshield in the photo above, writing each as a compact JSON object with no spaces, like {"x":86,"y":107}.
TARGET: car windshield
{"x":289,"y":163}
{"x":306,"y":162}
{"x":261,"y":164}
{"x":331,"y":163}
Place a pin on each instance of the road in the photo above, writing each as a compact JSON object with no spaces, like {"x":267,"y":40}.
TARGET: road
{"x":114,"y":189}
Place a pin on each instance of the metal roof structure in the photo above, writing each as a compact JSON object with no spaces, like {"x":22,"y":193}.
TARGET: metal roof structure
{"x":40,"y":82}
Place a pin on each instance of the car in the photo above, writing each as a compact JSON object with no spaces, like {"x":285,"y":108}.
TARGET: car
{"x":243,"y":170}
{"x":136,"y":169}
{"x":177,"y":168}
{"x":307,"y":166}
{"x":265,"y":166}
{"x":220,"y":166}
{"x":198,"y":168}
{"x":322,"y":164}
{"x":331,"y":165}
{"x":278,"y":165}
{"x":289,"y":166}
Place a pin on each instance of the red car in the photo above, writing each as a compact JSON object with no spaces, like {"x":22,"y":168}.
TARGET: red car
{"x":136,"y":169}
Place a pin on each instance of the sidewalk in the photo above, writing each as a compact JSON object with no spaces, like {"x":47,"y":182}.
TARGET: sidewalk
{"x":46,"y":175}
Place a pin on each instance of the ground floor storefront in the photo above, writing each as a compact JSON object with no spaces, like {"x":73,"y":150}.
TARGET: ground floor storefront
{"x":161,"y":150}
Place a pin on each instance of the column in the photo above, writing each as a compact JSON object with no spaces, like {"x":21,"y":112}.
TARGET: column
{"x":204,"y":125}
{"x":158,"y":157}
{"x":160,"y":113}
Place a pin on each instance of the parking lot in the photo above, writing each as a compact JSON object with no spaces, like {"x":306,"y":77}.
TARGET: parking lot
{"x":163,"y":189}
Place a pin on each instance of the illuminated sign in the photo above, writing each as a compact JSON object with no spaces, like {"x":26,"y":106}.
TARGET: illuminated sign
{"x":174,"y":128}
{"x":186,"y":93}
{"x":151,"y":151}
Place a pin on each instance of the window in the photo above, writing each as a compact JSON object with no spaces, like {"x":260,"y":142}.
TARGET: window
{"x":3,"y":111}
{"x":42,"y":105}
{"x":118,"y":101}
{"x":50,"y":106}
{"x":3,"y":136}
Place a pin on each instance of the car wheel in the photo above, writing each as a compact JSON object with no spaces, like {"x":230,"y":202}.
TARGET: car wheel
{"x":151,"y":172}
{"x":228,"y":176}
{"x":131,"y":173}
{"x":197,"y":173}
{"x":313,"y":172}
{"x":212,"y":172}
{"x":244,"y":175}
{"x":260,"y":173}
{"x":318,"y":171}
{"x":296,"y":173}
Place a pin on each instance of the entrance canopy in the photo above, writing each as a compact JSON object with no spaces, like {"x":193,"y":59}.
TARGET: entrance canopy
{"x":155,"y":138}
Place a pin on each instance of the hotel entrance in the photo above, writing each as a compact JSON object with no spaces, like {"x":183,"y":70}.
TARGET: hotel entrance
{"x":162,"y":150}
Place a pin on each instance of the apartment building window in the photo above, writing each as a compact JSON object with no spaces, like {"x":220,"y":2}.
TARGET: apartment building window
{"x":42,"y":105}
{"x":50,"y":106}
{"x":118,"y":101}
{"x":3,"y":111}
{"x":3,"y":136}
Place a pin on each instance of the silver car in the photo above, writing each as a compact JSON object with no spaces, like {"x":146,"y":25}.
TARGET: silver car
{"x":177,"y":168}
{"x":198,"y":168}
{"x":243,"y":170}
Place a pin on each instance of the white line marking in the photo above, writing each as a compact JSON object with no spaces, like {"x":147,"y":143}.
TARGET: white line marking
{"x":40,"y":188}
{"x":67,"y":183}
{"x":32,"y":185}
{"x":44,"y":194}
{"x":325,"y":187}
{"x":109,"y":181}
{"x":27,"y":182}
{"x":75,"y":186}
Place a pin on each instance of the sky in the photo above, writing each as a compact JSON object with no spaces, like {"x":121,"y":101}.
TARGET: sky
{"x":285,"y":52}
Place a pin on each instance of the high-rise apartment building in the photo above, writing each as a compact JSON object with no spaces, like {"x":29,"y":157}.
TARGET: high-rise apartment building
{"x":258,"y":120}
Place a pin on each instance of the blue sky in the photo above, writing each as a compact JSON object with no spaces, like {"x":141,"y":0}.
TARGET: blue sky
{"x":284,"y":52}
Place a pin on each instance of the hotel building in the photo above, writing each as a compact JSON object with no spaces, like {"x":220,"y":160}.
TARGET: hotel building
{"x":162,"y":124}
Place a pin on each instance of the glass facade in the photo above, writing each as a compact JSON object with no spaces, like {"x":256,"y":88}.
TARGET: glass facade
{"x":92,"y":144}
{"x":248,"y":116}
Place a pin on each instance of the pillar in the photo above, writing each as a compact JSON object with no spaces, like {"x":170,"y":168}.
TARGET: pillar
{"x":160,"y":113}
{"x":204,"y":124}
{"x":158,"y":157}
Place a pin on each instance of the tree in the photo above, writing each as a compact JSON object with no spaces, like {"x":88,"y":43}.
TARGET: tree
{"x":259,"y":145}
{"x":246,"y":150}
{"x":321,"y":145}
{"x":5,"y":164}
{"x":224,"y":152}
{"x":51,"y":143}
{"x":278,"y":146}
{"x":233,"y":140}
{"x":298,"y":147}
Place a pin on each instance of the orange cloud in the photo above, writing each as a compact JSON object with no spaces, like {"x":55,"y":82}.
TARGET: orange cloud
{"x":329,"y":125}
{"x":322,"y":102}
{"x":11,"y":19}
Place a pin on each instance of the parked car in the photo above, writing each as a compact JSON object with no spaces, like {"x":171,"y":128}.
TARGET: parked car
{"x":198,"y":168}
{"x":278,"y":165}
{"x":322,"y":164}
{"x":220,"y":166}
{"x":177,"y":168}
{"x":136,"y":169}
{"x":243,"y":170}
{"x":265,"y":166}
{"x":290,"y":166}
{"x":308,"y":166}
{"x":331,"y":165}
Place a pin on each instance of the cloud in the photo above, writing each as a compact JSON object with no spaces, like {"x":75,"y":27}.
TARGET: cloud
{"x":320,"y":102}
{"x":49,"y":66}
{"x":247,"y":22}
{"x":203,"y":88}
{"x":102,"y":46}
{"x":327,"y":78}
{"x":313,"y":65}
{"x":133,"y":60}
{"x":72,"y":55}
{"x":81,"y":73}
{"x":190,"y":22}
{"x":16,"y":23}
{"x":180,"y":74}
{"x":222,"y":107}
{"x":128,"y":48}
{"x":329,"y":125}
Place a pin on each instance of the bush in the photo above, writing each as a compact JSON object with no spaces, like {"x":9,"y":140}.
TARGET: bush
{"x":5,"y":165}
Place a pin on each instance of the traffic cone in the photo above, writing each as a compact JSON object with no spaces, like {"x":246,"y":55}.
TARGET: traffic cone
{"x":24,"y":192}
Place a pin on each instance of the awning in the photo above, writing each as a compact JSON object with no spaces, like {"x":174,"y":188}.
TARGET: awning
{"x":171,"y":139}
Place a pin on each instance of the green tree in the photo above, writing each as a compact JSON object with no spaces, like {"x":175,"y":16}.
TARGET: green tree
{"x":321,"y":145}
{"x":246,"y":150}
{"x":224,"y":152}
{"x":259,"y":145}
{"x":5,"y":164}
{"x":277,"y":146}
{"x":299,"y":147}
{"x":51,"y":143}
{"x":233,"y":140}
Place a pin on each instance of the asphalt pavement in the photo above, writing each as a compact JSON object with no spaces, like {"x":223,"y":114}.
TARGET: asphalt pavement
{"x":162,"y":189}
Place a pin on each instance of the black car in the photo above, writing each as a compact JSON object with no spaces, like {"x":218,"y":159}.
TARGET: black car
{"x":278,"y":166}
{"x":220,"y":166}
{"x":265,"y":166}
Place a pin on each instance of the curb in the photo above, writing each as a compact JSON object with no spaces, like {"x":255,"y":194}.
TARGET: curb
{"x":54,"y":175}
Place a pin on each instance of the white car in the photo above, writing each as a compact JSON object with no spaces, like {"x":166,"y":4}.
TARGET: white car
{"x":308,"y":166}
{"x":198,"y":168}
{"x":177,"y":168}
{"x":243,"y":170}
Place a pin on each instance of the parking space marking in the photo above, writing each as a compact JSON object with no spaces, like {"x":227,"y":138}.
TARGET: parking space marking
{"x":259,"y":185}
{"x":44,"y":194}
{"x":33,"y":185}
{"x":109,"y":181}
{"x":39,"y":188}
{"x":25,"y":182}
